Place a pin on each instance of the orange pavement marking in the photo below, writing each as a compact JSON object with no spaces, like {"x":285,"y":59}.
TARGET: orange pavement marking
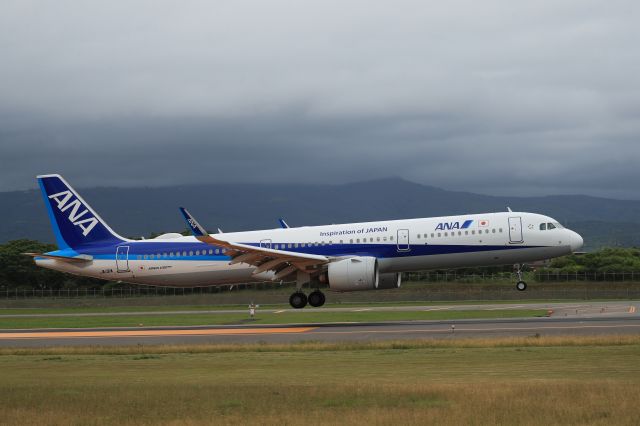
{"x":151,"y":333}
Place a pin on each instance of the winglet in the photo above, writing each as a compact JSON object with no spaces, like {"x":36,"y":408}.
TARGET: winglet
{"x":196,"y":229}
{"x":283,"y":224}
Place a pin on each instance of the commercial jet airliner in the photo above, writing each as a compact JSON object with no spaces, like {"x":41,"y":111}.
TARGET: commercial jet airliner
{"x":347,"y":257}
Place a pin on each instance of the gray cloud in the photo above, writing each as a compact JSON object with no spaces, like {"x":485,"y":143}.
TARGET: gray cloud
{"x":498,"y":97}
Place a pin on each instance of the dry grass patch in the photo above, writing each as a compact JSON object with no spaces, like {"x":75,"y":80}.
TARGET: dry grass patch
{"x":526,"y":381}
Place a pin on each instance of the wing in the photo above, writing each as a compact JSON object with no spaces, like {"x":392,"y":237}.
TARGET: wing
{"x":281,"y":262}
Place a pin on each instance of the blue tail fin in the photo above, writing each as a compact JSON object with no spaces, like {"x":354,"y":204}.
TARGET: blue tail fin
{"x":74,"y":222}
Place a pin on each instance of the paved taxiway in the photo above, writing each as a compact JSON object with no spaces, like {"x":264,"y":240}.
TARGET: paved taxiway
{"x":588,"y":325}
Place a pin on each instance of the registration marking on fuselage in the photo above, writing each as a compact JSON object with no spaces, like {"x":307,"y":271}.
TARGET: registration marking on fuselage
{"x":151,"y":333}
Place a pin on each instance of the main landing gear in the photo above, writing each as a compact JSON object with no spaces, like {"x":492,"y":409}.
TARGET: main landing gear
{"x":520,"y":285}
{"x":299,"y":300}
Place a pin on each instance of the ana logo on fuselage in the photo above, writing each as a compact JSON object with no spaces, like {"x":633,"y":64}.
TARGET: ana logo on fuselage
{"x":444,"y":226}
{"x":64,"y":203}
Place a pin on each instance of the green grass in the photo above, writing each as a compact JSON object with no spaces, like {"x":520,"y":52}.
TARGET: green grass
{"x":512,"y":381}
{"x":305,"y":317}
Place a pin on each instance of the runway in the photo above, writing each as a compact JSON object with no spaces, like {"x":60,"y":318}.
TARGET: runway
{"x":334,"y":332}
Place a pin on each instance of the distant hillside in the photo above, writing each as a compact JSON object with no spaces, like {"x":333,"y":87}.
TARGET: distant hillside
{"x":235,"y":207}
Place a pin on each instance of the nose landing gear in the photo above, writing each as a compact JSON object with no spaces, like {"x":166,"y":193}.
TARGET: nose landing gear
{"x":520,"y":285}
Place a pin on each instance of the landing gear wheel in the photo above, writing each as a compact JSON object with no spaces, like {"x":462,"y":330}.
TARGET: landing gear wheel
{"x":298,"y":300}
{"x":316,"y":299}
{"x":521,"y":286}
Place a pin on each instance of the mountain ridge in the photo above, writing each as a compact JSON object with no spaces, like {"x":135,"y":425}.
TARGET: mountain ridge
{"x":137,"y":211}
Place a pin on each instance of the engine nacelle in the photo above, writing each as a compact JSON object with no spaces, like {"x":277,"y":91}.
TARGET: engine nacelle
{"x":389,"y":281}
{"x":353,"y":274}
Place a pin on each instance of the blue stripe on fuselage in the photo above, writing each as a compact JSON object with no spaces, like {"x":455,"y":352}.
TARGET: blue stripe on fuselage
{"x":163,"y":251}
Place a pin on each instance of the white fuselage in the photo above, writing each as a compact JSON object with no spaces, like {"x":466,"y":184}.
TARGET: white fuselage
{"x":399,"y":246}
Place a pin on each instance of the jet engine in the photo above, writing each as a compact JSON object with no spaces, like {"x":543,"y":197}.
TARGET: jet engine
{"x":389,"y":281}
{"x":353,"y":274}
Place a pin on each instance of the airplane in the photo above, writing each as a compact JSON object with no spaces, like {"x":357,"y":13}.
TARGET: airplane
{"x":344,"y":257}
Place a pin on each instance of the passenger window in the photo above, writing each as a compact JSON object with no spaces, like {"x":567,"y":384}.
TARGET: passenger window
{"x":295,"y":245}
{"x":217,"y":251}
{"x":384,"y":238}
{"x":197,"y":252}
{"x":466,"y":232}
{"x":391,"y":238}
{"x":543,"y":226}
{"x":550,"y":226}
{"x":341,"y":242}
{"x":446,"y":234}
{"x":190,"y":252}
{"x":493,"y":231}
{"x":418,"y":236}
{"x":459,"y":232}
{"x":439,"y":235}
{"x":378,"y":239}
{"x":358,"y":240}
{"x":432,"y":235}
{"x":184,"y":253}
{"x":473,"y":232}
{"x":486,"y":231}
{"x":500,"y":230}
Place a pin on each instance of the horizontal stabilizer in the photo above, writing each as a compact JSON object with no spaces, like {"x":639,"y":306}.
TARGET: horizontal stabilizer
{"x":76,"y":259}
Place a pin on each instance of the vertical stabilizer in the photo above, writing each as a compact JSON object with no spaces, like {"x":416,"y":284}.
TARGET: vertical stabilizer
{"x":74,"y":222}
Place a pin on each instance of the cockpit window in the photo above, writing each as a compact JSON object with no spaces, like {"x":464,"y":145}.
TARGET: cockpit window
{"x":551,"y":226}
{"x":543,"y":226}
{"x":558,"y":225}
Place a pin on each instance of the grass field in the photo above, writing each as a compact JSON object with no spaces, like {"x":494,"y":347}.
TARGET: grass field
{"x":581,"y":381}
{"x":159,"y":306}
{"x":302,"y":317}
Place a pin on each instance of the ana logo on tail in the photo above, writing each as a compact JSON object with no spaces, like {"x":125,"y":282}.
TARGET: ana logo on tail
{"x":63,"y":199}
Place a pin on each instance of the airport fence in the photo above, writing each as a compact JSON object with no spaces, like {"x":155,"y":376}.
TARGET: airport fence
{"x":444,"y":285}
{"x":542,"y":276}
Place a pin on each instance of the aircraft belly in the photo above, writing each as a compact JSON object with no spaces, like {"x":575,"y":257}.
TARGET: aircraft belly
{"x":194,"y":273}
{"x":472,"y":259}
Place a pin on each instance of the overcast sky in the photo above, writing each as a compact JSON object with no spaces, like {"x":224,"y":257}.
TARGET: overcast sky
{"x":498,"y":97}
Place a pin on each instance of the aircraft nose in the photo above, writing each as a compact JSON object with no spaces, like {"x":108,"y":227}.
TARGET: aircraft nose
{"x":576,"y":241}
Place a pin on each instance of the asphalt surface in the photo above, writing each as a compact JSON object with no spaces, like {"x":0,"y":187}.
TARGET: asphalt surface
{"x":592,"y":318}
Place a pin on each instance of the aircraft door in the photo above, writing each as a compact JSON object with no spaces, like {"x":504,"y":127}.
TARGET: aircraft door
{"x":265,"y":244}
{"x":403,"y":240}
{"x":515,"y":230}
{"x":122,"y":258}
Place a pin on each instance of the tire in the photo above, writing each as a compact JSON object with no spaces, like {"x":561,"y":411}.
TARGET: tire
{"x":316,"y":299}
{"x":521,"y":286}
{"x":298,"y":300}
